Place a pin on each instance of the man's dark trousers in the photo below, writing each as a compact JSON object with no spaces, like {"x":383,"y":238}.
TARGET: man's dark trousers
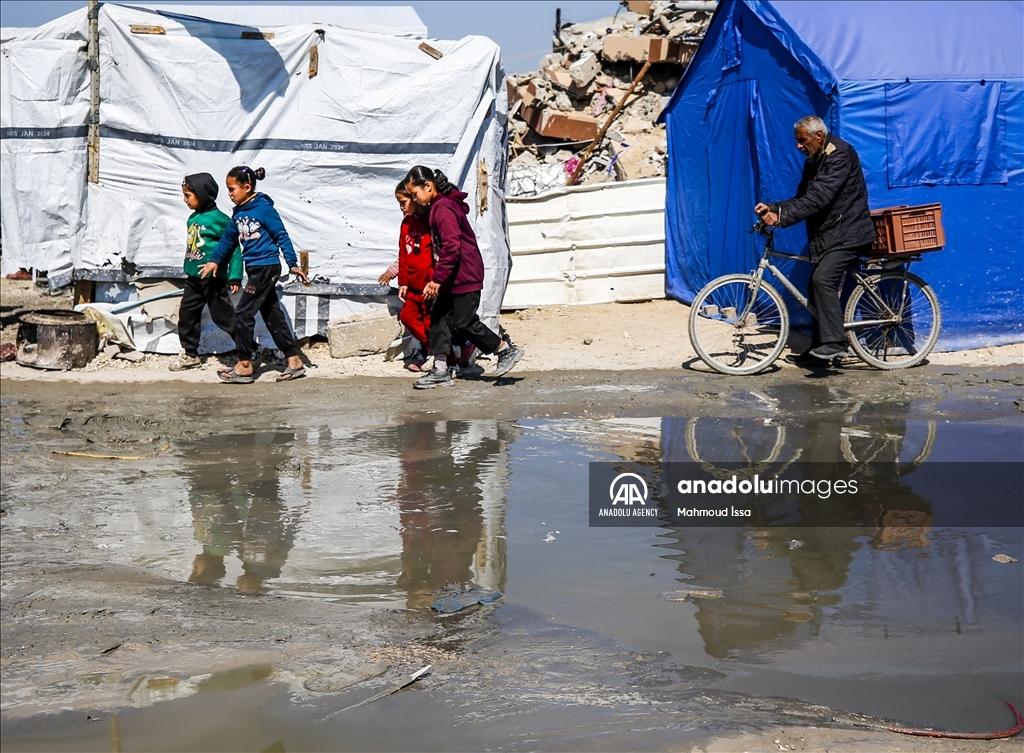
{"x":212,"y":292}
{"x":823,"y":295}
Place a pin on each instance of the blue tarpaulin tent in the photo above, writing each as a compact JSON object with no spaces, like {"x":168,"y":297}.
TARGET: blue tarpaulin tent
{"x":930,"y":94}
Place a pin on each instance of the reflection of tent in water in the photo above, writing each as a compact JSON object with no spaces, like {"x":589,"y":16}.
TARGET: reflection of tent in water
{"x":335,"y":113}
{"x":930,"y":94}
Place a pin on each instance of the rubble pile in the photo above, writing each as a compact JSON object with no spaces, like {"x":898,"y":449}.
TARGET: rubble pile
{"x":557,"y":111}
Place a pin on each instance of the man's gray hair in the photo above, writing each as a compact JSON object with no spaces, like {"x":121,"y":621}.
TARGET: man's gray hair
{"x":812,"y":124}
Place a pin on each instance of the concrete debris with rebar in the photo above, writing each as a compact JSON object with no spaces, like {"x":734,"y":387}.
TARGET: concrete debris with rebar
{"x":588,"y":114}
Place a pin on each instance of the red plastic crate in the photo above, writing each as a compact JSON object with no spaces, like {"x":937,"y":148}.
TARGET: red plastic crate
{"x":908,"y":230}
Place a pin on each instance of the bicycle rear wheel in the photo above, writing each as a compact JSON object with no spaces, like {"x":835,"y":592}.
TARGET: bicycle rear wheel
{"x":735,"y":333}
{"x":908,"y":317}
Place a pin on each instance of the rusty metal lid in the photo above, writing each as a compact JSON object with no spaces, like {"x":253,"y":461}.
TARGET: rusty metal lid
{"x":56,"y":317}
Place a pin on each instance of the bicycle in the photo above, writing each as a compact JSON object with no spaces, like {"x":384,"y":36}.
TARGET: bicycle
{"x":739,"y":323}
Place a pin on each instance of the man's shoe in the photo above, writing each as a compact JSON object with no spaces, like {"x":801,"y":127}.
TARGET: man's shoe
{"x":802,"y":359}
{"x":435,"y":378}
{"x":184,"y":361}
{"x":507,"y":359}
{"x":828,"y":351}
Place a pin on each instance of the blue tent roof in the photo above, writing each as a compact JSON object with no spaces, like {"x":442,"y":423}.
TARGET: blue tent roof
{"x":930,"y":94}
{"x":872,"y":40}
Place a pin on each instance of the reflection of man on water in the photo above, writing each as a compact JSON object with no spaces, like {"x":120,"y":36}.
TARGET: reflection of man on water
{"x":778,"y":581}
{"x":236,"y":507}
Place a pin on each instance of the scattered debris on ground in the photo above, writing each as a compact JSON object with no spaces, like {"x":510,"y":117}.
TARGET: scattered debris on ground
{"x":560,"y":109}
{"x":688,"y":594}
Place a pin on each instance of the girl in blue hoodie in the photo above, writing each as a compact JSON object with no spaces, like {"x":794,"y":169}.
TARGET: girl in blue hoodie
{"x":256,"y":227}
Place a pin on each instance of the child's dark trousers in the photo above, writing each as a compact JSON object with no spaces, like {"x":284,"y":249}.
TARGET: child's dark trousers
{"x":458,"y":312}
{"x":260,"y":296}
{"x":199,"y":292}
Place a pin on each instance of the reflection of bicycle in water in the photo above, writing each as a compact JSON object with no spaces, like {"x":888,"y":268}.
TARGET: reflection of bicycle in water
{"x":721,"y":445}
{"x":739,"y":323}
{"x":896,"y":449}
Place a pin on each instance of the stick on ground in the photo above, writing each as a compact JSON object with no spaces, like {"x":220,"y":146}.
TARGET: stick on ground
{"x":388,"y":691}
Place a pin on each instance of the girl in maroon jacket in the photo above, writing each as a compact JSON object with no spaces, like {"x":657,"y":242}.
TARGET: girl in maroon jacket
{"x":457,"y":280}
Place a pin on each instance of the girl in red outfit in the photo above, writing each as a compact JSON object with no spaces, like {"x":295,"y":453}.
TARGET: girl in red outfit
{"x":415,"y":267}
{"x":457,"y":279}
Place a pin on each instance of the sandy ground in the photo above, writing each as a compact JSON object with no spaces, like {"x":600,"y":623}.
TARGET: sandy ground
{"x":603,"y":337}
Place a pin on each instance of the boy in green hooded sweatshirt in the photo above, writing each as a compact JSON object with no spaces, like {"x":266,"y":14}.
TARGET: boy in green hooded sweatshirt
{"x":205,"y":226}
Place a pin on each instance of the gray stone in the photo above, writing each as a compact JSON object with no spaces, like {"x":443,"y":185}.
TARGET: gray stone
{"x":361,"y":334}
{"x":133,"y":356}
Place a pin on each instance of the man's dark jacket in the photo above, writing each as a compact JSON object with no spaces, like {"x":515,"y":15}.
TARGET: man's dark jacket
{"x":833,"y":198}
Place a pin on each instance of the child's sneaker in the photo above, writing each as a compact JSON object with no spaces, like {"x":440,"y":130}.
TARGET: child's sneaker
{"x":436,"y":377}
{"x":507,"y":359}
{"x":184,"y":361}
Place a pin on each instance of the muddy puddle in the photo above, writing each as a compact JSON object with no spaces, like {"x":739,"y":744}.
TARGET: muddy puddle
{"x":287,"y":520}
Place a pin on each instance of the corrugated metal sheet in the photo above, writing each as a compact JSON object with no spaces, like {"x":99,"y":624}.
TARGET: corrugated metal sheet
{"x":588,"y":244}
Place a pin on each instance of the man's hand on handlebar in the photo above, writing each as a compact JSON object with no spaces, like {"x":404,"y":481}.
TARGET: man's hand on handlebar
{"x":766,"y":214}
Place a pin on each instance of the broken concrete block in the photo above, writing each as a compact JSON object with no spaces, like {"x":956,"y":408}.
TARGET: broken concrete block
{"x":643,"y":7}
{"x":558,"y":76}
{"x":361,"y":334}
{"x":585,"y":70}
{"x":620,"y":48}
{"x":641,"y":158}
{"x":573,"y":126}
{"x":513,"y":92}
{"x":526,"y":94}
{"x":561,"y":102}
{"x":554,"y":58}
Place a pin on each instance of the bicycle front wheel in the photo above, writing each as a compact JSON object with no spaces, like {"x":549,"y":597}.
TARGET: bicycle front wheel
{"x":895,"y":318}
{"x":734,"y":331}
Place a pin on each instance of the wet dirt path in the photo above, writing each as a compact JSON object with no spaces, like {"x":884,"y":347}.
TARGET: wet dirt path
{"x":109,"y":563}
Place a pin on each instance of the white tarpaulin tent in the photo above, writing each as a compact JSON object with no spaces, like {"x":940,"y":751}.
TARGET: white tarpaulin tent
{"x":335,"y":114}
{"x":396,"y":20}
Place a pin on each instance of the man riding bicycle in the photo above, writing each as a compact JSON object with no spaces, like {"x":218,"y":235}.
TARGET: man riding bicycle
{"x":833,"y":198}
